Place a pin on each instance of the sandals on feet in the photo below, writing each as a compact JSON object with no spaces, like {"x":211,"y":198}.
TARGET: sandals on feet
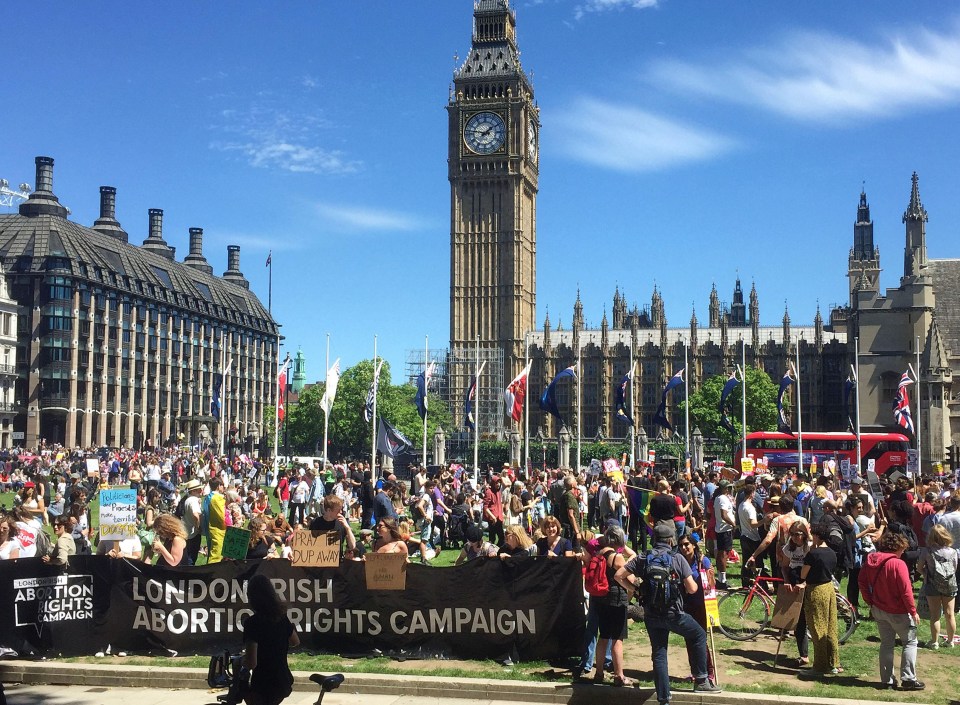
{"x":622,"y":682}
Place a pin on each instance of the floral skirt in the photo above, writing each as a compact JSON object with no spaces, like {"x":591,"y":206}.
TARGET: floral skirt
{"x":820,"y":609}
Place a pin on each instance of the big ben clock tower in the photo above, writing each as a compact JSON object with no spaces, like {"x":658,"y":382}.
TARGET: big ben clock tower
{"x":494,"y":132}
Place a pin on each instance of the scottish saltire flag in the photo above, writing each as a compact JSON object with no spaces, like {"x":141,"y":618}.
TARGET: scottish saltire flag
{"x":619,"y":403}
{"x":782,"y":425}
{"x":901,"y":403}
{"x":848,"y":386}
{"x":330,"y":390}
{"x":548,"y":400}
{"x":390,"y":441}
{"x":516,"y":392}
{"x":372,"y":394}
{"x":215,"y":401}
{"x":423,"y":382}
{"x":660,"y":418}
{"x":728,"y":388}
{"x":468,"y":420}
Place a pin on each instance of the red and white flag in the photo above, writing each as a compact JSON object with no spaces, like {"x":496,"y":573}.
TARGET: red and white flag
{"x":281,"y":388}
{"x":516,"y":392}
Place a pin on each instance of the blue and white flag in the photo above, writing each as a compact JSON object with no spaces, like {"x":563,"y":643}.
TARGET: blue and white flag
{"x":619,"y":404}
{"x":372,"y":394}
{"x":548,"y":400}
{"x":660,"y":418}
{"x":423,"y":382}
{"x":728,"y":388}
{"x":468,"y":420}
{"x":215,"y":400}
{"x":782,"y":425}
{"x":390,"y":441}
{"x":848,"y":386}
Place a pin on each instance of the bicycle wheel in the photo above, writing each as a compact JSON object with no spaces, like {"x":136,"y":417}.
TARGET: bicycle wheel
{"x":743,"y":615}
{"x":846,"y":619}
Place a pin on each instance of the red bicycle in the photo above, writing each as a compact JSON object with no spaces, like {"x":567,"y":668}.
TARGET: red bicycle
{"x":746,"y":611}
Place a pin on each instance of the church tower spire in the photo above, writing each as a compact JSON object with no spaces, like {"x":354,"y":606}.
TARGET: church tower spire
{"x":738,"y":310}
{"x":915,"y":219}
{"x":714,"y":307}
{"x":863,"y":265}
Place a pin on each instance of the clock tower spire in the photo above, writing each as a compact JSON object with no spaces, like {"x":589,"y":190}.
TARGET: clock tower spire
{"x":493,"y":154}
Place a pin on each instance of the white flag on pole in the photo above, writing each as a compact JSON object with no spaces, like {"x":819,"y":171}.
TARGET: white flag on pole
{"x":330,"y":393}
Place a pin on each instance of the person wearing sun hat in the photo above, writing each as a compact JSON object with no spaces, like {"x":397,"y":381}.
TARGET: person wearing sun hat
{"x":191,"y":517}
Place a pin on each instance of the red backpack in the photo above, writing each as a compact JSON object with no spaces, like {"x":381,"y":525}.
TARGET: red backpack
{"x":595,"y":576}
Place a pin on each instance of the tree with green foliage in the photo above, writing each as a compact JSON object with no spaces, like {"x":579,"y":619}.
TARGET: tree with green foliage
{"x":348,"y":432}
{"x":761,"y":406}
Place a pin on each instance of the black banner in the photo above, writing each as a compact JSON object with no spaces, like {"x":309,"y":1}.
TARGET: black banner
{"x":481,"y":609}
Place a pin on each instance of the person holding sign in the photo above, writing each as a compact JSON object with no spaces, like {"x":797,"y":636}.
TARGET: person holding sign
{"x":389,"y":537}
{"x":267,"y":636}
{"x":693,"y":603}
{"x":333,"y":519}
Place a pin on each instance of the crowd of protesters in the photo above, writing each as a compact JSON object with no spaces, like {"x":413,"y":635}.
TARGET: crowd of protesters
{"x":809,"y":531}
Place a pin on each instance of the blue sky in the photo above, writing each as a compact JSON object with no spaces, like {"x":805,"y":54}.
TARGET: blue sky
{"x":681,"y":143}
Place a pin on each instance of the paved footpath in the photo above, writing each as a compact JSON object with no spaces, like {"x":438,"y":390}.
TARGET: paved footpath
{"x":55,"y":683}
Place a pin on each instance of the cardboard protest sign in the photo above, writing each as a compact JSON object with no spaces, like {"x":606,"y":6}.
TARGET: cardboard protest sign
{"x":708,"y":581}
{"x":235,"y":543}
{"x":786,"y":610}
{"x":315,"y":549}
{"x":118,"y":514}
{"x":386,"y":571}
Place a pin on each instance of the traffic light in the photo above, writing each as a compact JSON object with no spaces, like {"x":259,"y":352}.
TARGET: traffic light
{"x":952,"y":457}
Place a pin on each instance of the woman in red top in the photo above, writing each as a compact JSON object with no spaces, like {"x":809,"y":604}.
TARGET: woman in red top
{"x":885,"y":585}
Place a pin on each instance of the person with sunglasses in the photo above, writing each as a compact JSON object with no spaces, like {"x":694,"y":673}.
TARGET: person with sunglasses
{"x":693,"y":603}
{"x":794,"y":552}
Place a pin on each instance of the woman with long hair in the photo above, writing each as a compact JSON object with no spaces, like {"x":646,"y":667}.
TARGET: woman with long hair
{"x":389,"y":537}
{"x":151,"y":511}
{"x":31,"y":502}
{"x":267,"y":636}
{"x":794,"y":551}
{"x":516,"y":542}
{"x":9,"y":544}
{"x":693,"y":604}
{"x":612,"y":608}
{"x":260,"y":545}
{"x":169,"y":541}
{"x":819,"y":602}
{"x":937,"y":561}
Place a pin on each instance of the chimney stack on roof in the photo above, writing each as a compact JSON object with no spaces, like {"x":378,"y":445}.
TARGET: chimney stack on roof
{"x":195,"y":259}
{"x":42,"y":201}
{"x":155,"y":242}
{"x":107,"y":222}
{"x":233,"y":273}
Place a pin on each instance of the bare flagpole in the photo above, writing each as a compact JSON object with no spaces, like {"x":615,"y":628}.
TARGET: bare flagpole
{"x":633,"y":411}
{"x":329,"y":404}
{"x":686,"y":403}
{"x":526,"y":408}
{"x":799,"y":409}
{"x":476,"y":419}
{"x":856,"y":379}
{"x":579,"y":421}
{"x":743,"y":393}
{"x":426,"y":365}
{"x":373,"y":418}
{"x":916,"y":374}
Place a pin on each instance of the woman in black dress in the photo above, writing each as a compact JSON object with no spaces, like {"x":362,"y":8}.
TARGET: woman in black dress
{"x":267,"y":635}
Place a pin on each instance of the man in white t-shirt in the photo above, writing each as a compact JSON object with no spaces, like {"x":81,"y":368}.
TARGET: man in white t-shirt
{"x":726,"y":519}
{"x":749,"y":523}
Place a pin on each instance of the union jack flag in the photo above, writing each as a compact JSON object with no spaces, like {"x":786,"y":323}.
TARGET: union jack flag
{"x":901,"y":403}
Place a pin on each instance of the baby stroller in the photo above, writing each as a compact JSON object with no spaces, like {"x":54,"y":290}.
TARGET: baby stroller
{"x":227,"y":671}
{"x":456,"y":528}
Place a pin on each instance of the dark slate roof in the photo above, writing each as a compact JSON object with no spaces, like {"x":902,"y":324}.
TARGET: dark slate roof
{"x":52,"y":244}
{"x":946,"y":286}
{"x":499,"y":60}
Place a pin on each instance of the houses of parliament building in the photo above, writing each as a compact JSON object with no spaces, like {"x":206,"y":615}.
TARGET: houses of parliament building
{"x":493,"y":167}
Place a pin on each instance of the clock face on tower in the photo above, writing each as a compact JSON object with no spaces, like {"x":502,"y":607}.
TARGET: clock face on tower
{"x":484,"y":133}
{"x":532,"y":139}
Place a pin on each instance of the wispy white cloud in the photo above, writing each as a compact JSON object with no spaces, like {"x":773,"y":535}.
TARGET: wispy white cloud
{"x":625,"y":138}
{"x":260,"y":242}
{"x":273,"y":138}
{"x":360,"y":218}
{"x":824,"y":78}
{"x":604,"y":5}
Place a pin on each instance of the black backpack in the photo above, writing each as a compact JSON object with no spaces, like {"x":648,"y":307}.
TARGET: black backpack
{"x":661,"y":584}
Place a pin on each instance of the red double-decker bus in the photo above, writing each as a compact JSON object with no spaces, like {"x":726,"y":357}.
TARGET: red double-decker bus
{"x":887,"y":450}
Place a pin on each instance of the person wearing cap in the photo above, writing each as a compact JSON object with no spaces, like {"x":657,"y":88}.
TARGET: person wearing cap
{"x":191,"y":517}
{"x":857,"y":490}
{"x":726,"y":520}
{"x":659,"y":627}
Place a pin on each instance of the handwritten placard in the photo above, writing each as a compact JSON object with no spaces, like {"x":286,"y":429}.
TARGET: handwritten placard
{"x":786,"y":609}
{"x":93,"y":467}
{"x":315,"y":549}
{"x":118,"y":514}
{"x":235,"y":543}
{"x":386,"y":571}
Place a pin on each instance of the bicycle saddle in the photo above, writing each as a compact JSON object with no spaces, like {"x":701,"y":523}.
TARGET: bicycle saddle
{"x":327,"y":683}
